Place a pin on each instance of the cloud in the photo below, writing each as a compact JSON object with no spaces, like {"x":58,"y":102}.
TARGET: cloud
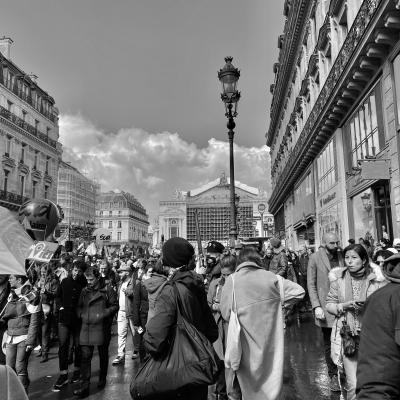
{"x":152,"y":165}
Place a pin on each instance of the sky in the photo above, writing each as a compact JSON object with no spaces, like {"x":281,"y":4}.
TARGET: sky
{"x":137,"y":88}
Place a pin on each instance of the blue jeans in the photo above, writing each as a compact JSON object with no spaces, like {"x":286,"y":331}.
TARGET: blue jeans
{"x":17,"y":358}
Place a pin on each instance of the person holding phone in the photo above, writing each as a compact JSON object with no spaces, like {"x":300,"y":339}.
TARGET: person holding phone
{"x":345,"y":300}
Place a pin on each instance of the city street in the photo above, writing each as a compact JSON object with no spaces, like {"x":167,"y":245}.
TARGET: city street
{"x":304,"y":378}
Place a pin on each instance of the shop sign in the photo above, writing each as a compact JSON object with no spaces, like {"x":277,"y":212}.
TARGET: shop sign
{"x":324,"y":201}
{"x":375,"y":169}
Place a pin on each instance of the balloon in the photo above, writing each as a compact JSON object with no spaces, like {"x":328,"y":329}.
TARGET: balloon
{"x":40,"y":218}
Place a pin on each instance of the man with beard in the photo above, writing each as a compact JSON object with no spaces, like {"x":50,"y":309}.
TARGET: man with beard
{"x":96,"y":308}
{"x":321,"y":262}
{"x":68,"y":323}
{"x":214,"y":251}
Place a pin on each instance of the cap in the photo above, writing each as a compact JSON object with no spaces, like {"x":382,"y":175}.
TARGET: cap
{"x":215,"y":247}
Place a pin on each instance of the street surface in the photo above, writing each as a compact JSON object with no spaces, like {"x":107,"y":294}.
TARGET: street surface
{"x":305,"y":374}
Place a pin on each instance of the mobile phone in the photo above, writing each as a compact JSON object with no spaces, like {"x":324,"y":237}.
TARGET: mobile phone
{"x":140,"y":330}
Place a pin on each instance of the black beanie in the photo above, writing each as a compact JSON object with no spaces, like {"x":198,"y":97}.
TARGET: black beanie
{"x":177,"y":252}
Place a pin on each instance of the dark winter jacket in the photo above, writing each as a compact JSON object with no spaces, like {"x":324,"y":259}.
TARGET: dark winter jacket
{"x":129,"y":293}
{"x":195,"y":310}
{"x":67,"y":299}
{"x":279,"y":264}
{"x":153,"y":285}
{"x":96,"y":309}
{"x":48,"y":288}
{"x":378,"y":372}
{"x":23,"y":317}
{"x":140,"y":305}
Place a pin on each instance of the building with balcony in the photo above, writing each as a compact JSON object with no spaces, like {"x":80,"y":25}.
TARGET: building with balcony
{"x":76,"y":195}
{"x":29,"y":147}
{"x":335,"y":118}
{"x":124,"y":217}
{"x":209,"y":207}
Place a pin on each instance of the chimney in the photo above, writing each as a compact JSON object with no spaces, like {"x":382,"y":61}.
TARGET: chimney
{"x":5,"y":46}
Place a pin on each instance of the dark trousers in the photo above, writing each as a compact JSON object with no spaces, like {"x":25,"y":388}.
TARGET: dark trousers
{"x":47,"y":322}
{"x":220,"y":384}
{"x":332,"y":368}
{"x":65,"y":332}
{"x":86,"y":364}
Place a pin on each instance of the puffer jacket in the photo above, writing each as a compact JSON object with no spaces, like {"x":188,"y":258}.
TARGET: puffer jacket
{"x":153,"y":286}
{"x":195,"y":309}
{"x":22,"y":314}
{"x":96,"y":309}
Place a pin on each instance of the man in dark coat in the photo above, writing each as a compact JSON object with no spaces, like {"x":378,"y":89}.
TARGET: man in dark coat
{"x":96,"y":308}
{"x":321,"y":262}
{"x":178,"y":254}
{"x":378,"y":372}
{"x":279,"y":263}
{"x":69,"y":325}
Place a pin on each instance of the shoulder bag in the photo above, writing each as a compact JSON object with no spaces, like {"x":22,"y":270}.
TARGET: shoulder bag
{"x":233,"y":352}
{"x":189,"y":362}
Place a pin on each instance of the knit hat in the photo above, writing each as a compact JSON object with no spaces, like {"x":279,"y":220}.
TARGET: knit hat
{"x":215,"y":247}
{"x":275,"y":243}
{"x":177,"y":252}
{"x":391,"y":268}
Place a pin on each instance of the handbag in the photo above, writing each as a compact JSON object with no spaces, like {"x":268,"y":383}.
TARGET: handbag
{"x":190,"y":361}
{"x":233,"y":352}
{"x":350,"y":341}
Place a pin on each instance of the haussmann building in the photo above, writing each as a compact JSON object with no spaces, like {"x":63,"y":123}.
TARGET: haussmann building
{"x":334,"y":124}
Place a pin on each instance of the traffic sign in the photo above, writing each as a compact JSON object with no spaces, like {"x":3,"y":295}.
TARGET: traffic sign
{"x":261,"y":207}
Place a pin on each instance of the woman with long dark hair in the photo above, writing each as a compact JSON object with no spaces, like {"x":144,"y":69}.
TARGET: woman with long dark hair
{"x":345,"y":300}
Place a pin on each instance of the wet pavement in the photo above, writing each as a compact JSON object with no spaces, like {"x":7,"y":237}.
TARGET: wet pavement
{"x":305,"y":375}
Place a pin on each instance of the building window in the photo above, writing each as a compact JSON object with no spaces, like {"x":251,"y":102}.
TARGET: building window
{"x":34,"y":185}
{"x":8,"y":146}
{"x":47,"y":165}
{"x":118,"y":236}
{"x":396,"y":68}
{"x":22,"y":185}
{"x":5,"y":184}
{"x":101,"y":213}
{"x":36,"y":124}
{"x":110,"y":213}
{"x":363,"y":130}
{"x":326,"y":168}
{"x":9,"y":105}
{"x":22,"y":160}
{"x":110,"y":224}
{"x":119,"y":213}
{"x":330,"y":221}
{"x":46,"y":191}
{"x":304,"y":189}
{"x":119,"y":225}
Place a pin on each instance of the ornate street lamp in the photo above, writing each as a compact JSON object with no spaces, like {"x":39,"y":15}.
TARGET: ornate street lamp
{"x":229,"y":76}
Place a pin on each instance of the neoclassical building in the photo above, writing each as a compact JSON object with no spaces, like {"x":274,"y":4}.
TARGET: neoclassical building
{"x":210,"y":206}
{"x":335,"y":116}
{"x":29,"y":146}
{"x":124,"y":217}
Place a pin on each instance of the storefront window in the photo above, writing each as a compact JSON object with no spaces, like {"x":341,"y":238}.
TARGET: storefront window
{"x":304,"y":189}
{"x":364,"y":226}
{"x":330,"y":221}
{"x":396,"y":69}
{"x":363,"y":128}
{"x":326,"y":167}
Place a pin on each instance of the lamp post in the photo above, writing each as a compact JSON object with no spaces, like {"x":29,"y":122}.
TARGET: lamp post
{"x":229,"y":76}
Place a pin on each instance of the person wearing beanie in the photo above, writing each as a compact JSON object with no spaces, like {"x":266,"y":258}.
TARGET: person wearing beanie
{"x":178,"y":254}
{"x":379,"y":354}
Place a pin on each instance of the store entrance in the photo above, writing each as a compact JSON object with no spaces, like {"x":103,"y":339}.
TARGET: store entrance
{"x":382,"y":210}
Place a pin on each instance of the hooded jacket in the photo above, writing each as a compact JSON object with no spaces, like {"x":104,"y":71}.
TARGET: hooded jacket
{"x":379,"y":356}
{"x":153,"y":286}
{"x":195,"y":310}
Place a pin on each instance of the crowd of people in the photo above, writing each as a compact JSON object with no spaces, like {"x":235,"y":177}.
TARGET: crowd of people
{"x":75,"y":301}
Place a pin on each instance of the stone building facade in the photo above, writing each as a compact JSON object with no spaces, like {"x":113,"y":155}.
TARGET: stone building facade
{"x":29,"y":147}
{"x":122,"y":214}
{"x":335,"y":119}
{"x":76,"y":195}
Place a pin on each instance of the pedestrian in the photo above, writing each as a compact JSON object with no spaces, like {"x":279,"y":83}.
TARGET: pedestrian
{"x":63,"y":267}
{"x":69,"y":325}
{"x":304,"y":259}
{"x":123,"y":324}
{"x":214,"y":252}
{"x":108,"y":276}
{"x":22,"y":316}
{"x":379,"y":354}
{"x":267,"y":258}
{"x":345,"y":300}
{"x":259,"y":310}
{"x":279,"y":262}
{"x":178,"y":254}
{"x":4,"y":293}
{"x":96,"y":308}
{"x":47,"y":285}
{"x":157,"y":279}
{"x":325,"y":259}
{"x":228,"y":266}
